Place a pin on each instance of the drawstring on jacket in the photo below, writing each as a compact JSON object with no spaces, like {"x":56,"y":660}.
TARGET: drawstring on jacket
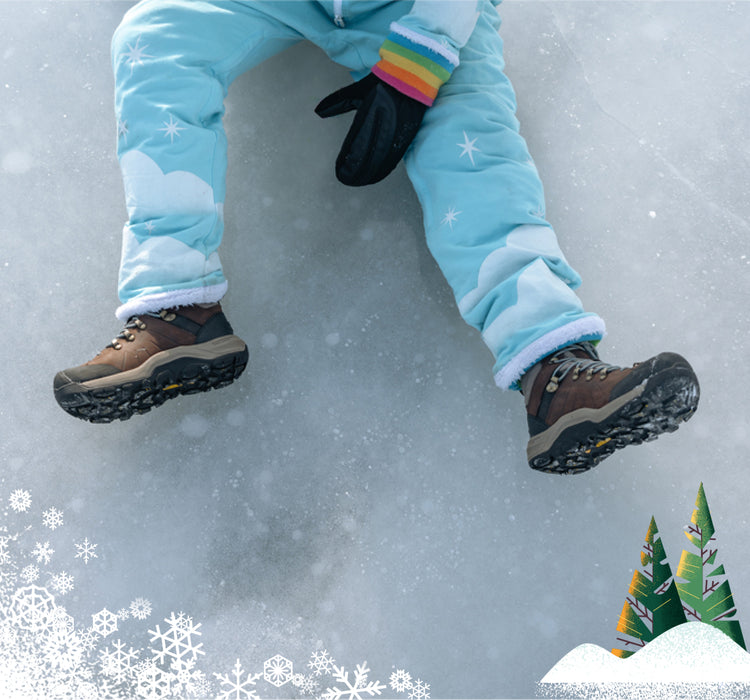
{"x":338,"y":13}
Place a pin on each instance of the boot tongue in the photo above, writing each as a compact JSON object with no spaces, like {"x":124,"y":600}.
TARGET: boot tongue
{"x":574,"y":352}
{"x":570,"y":352}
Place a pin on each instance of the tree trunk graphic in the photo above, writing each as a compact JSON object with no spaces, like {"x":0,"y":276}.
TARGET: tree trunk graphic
{"x":702,"y":584}
{"x":652,"y":605}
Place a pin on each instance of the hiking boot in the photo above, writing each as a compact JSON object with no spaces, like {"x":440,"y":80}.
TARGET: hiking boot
{"x":154,"y":358}
{"x":580,"y":410}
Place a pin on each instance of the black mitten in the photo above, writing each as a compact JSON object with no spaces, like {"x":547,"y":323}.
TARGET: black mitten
{"x":384,"y":125}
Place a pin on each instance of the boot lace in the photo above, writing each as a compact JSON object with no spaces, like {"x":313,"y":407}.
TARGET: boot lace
{"x":127,"y":332}
{"x":134,"y":322}
{"x":569,"y":363}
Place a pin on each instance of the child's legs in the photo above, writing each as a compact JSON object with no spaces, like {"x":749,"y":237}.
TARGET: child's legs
{"x":173,"y":62}
{"x":484,"y":215}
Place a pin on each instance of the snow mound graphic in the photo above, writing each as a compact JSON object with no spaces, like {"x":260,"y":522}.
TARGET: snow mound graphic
{"x":692,"y":660}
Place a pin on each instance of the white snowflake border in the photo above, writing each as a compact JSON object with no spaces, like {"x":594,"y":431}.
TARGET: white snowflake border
{"x":43,"y":653}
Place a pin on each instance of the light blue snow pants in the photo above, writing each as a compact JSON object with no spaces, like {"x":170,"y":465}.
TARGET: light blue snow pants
{"x":480,"y":193}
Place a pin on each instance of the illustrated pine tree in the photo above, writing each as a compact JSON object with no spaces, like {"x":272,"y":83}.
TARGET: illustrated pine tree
{"x":652,"y":605}
{"x":701,"y":581}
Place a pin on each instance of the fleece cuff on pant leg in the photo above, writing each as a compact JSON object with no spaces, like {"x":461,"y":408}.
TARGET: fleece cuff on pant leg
{"x":152,"y":303}
{"x":590,"y":328}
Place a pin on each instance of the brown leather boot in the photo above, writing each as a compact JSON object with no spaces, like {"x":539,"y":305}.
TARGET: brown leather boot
{"x":580,"y":410}
{"x":154,"y":358}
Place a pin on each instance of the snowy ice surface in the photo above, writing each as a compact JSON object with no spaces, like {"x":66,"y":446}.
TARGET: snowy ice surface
{"x":363,"y":487}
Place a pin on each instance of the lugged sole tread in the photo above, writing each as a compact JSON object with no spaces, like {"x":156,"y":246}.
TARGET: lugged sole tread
{"x":121,"y":402}
{"x":661,"y":410}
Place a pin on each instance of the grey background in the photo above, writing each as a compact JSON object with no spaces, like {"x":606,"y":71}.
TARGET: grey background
{"x":363,"y":487}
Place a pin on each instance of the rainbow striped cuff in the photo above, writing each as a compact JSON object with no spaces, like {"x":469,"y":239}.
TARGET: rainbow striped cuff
{"x":414,"y":65}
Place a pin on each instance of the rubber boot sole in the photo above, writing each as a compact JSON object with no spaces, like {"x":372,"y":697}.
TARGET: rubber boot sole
{"x":583,"y":438}
{"x":188,"y":369}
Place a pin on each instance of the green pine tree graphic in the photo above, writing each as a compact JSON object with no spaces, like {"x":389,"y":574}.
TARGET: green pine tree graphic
{"x":702,"y":583}
{"x":652,"y":605}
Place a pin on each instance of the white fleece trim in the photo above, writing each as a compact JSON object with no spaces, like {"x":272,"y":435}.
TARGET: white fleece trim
{"x":167,"y":300}
{"x":588,"y":327}
{"x":421,"y":40}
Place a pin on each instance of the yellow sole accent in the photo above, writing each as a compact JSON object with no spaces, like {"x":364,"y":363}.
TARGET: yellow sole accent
{"x":599,"y":444}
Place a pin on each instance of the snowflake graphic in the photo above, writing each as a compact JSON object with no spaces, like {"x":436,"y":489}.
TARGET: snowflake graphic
{"x":32,"y":607}
{"x":42,"y":552}
{"x":43,"y":653}
{"x":400,"y":681}
{"x":151,"y":681}
{"x":104,"y":622}
{"x":353,"y":692}
{"x":52,"y":518}
{"x":238,"y":689}
{"x":5,"y":557}
{"x":63,"y":651}
{"x":177,"y":641}
{"x":20,"y":500}
{"x":30,"y":573}
{"x":419,"y":691}
{"x":118,"y":663}
{"x":62,"y":583}
{"x":187,"y":679}
{"x":140,"y":608}
{"x":321,"y":662}
{"x":298,"y":679}
{"x":89,"y":638}
{"x":278,"y":670}
{"x":183,"y":621}
{"x":200,"y":686}
{"x":61,"y":622}
{"x":86,"y":550}
{"x":87,"y":690}
{"x":308,"y":685}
